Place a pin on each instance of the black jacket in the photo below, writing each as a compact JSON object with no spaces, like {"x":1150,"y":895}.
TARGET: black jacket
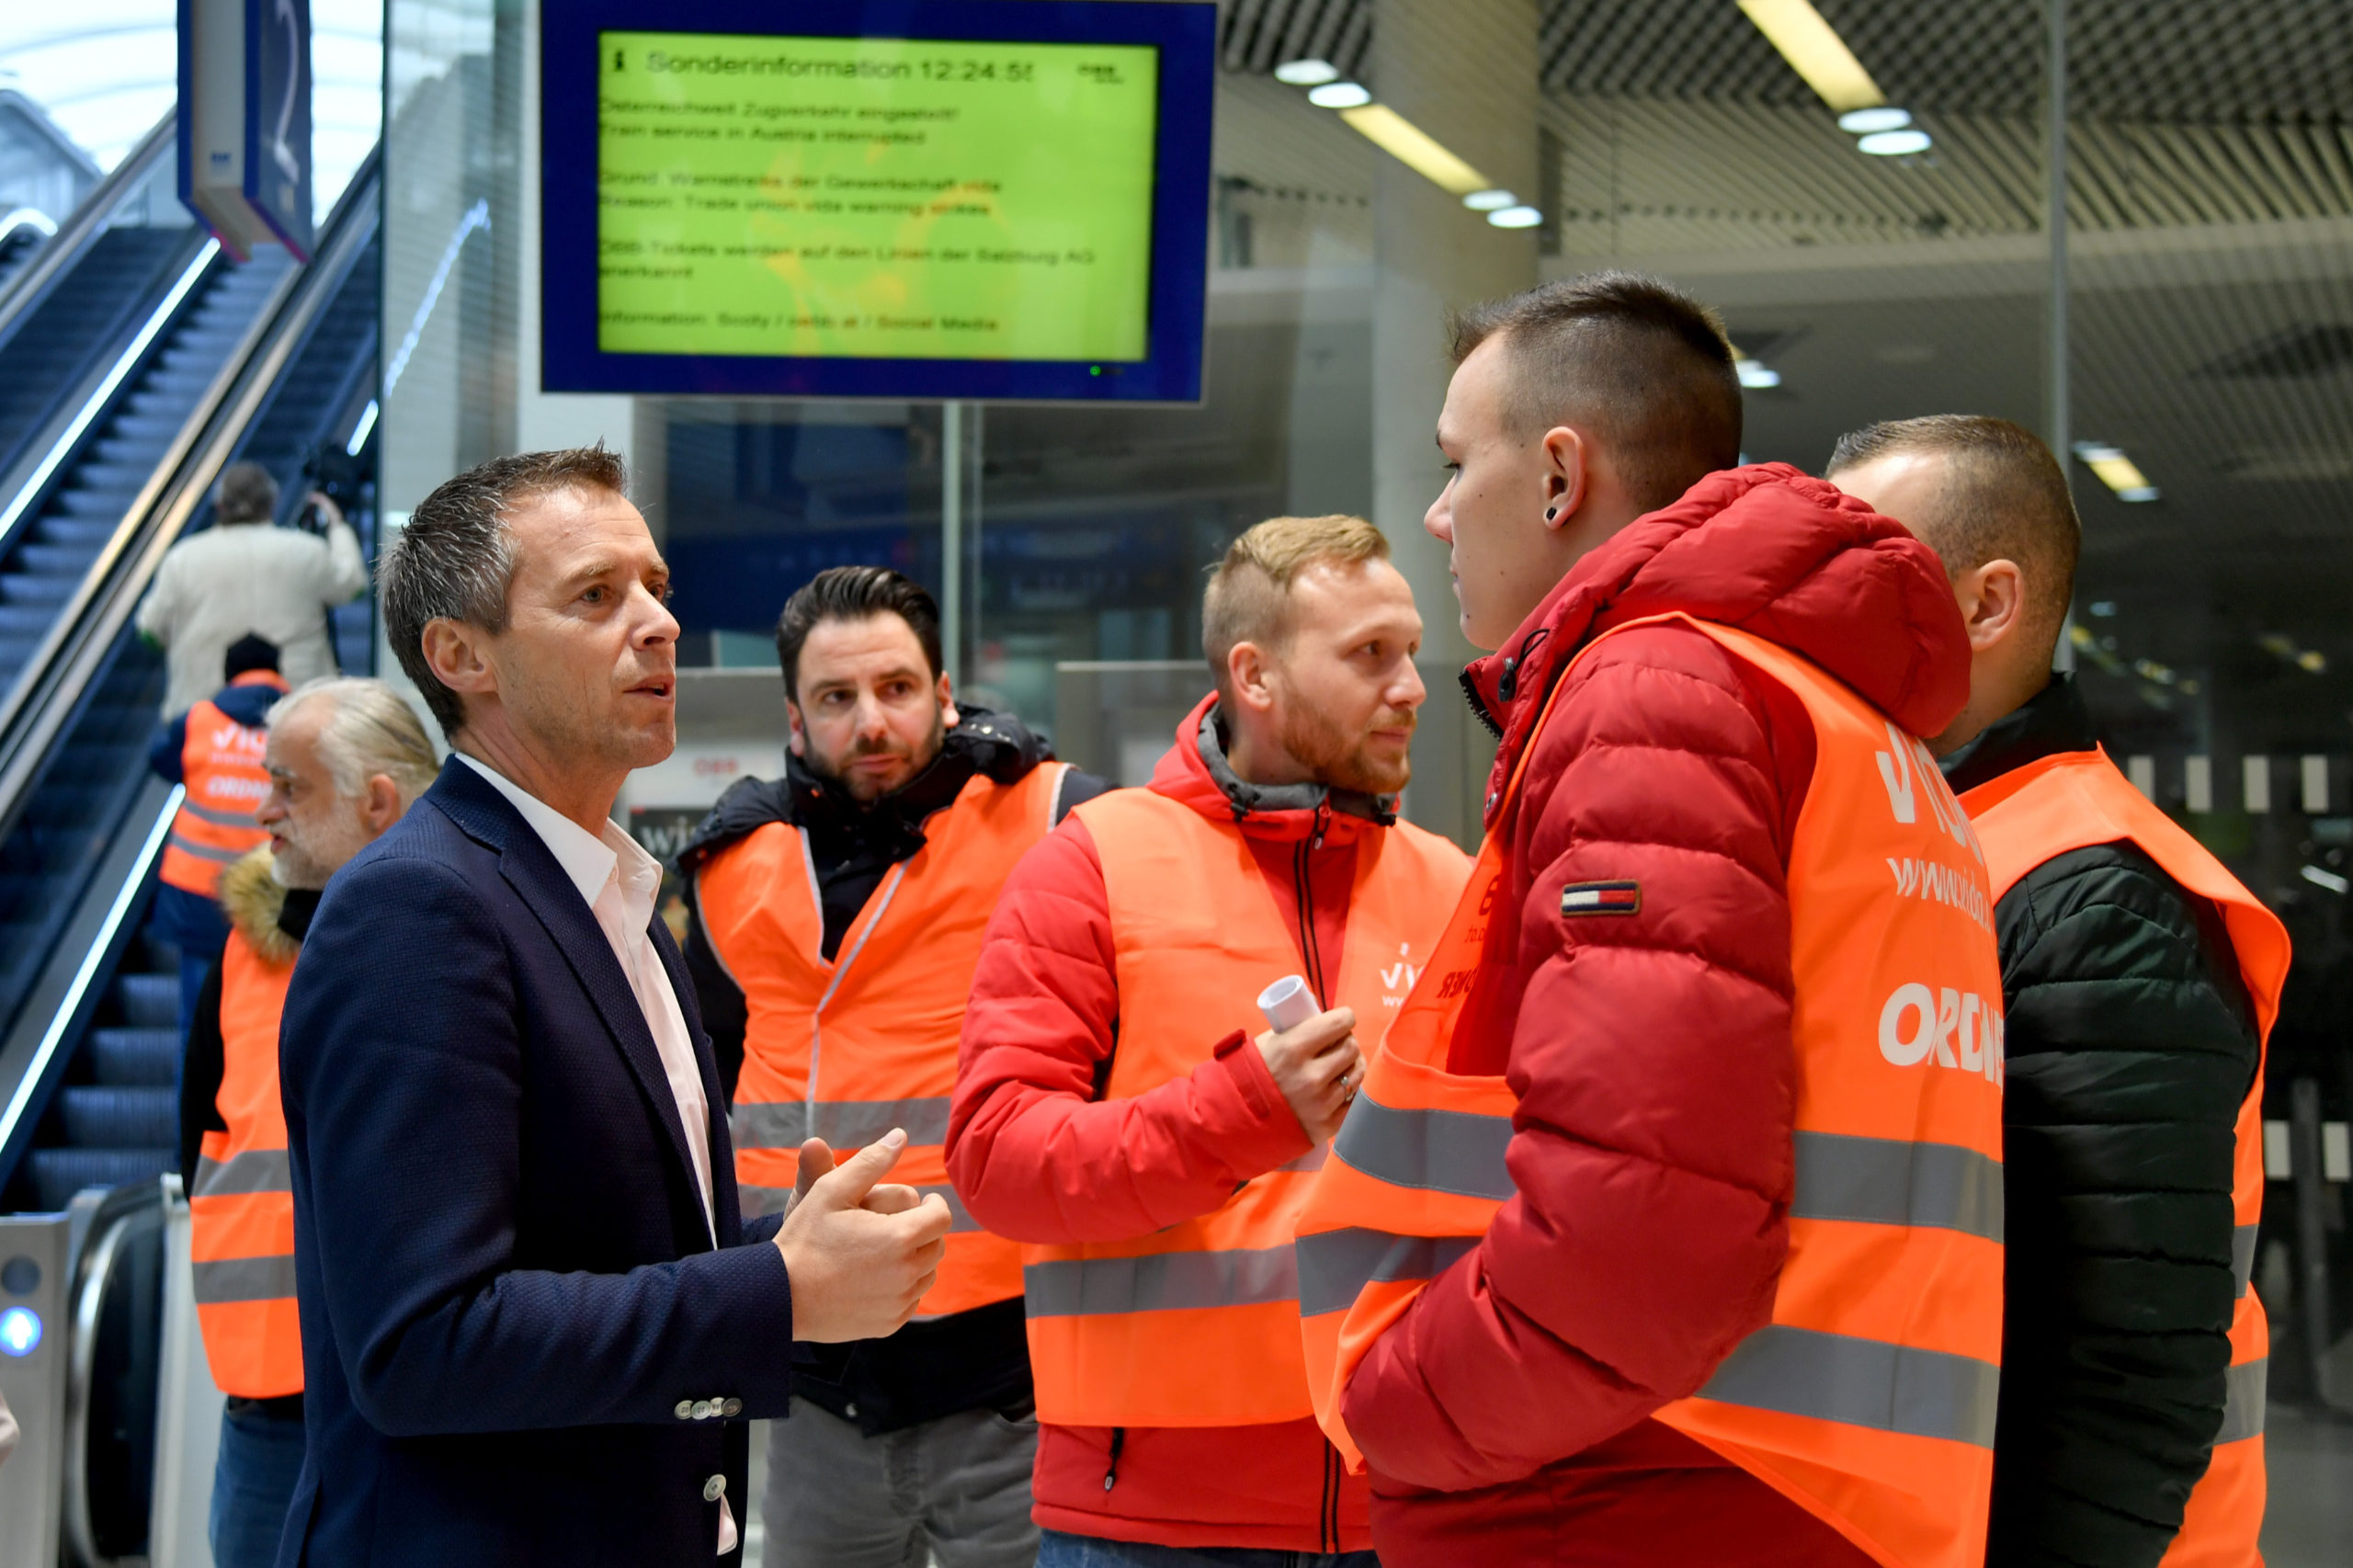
{"x":2130,"y":1046}
{"x":970,"y":1360}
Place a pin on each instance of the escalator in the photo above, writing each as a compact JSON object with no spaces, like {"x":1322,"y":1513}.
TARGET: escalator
{"x":189,"y":362}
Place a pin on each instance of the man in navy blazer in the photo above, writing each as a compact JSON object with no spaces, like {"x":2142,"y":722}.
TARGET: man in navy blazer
{"x":533,"y":1323}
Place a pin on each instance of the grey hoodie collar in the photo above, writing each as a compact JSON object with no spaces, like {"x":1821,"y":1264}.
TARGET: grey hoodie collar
{"x":1248,"y":798}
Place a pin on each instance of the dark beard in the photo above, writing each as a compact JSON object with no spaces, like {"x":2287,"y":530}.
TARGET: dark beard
{"x":1340,"y":761}
{"x":921,"y":758}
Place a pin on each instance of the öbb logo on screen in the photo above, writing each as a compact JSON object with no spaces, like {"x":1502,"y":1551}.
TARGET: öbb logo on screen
{"x":1955,"y":1029}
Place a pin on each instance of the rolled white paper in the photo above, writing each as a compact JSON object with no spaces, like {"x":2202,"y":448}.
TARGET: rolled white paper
{"x":1288,"y":1004}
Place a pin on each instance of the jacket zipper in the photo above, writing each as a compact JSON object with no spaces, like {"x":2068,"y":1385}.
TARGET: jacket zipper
{"x":1329,"y":1524}
{"x":1111,"y":1470}
{"x":1310,"y":951}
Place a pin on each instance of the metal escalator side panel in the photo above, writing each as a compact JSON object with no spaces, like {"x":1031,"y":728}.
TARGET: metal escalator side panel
{"x":50,"y":1010}
{"x":27,"y":287}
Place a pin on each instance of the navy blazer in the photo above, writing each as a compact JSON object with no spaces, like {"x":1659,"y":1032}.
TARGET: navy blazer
{"x":519,"y":1344}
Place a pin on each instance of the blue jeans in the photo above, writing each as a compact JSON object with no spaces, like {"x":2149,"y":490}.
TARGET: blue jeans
{"x":253,"y":1487}
{"x":1056,"y":1549}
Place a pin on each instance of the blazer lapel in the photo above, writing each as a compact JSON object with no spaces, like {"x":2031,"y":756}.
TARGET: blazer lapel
{"x":531,"y":869}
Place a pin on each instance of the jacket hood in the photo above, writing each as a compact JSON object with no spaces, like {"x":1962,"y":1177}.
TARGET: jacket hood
{"x":1195,"y":772}
{"x":1776,"y":553}
{"x":253,"y":900}
{"x":983,"y":741}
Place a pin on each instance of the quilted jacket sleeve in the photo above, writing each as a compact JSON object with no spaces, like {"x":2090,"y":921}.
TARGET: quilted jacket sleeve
{"x":1035,"y":1153}
{"x":2129,"y":1048}
{"x":1653,"y":1061}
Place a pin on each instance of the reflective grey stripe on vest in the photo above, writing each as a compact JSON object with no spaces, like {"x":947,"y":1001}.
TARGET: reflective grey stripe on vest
{"x":1335,"y":1265}
{"x":206,"y":851}
{"x":758,"y":1201}
{"x":845,"y":1124}
{"x":1891,"y":1181}
{"x":1436,"y":1151}
{"x":2242,"y":1406}
{"x":218,"y":818}
{"x":245,"y":1280}
{"x":2243,"y":1240}
{"x":1861,"y":1383}
{"x":255,"y":1170}
{"x":1088,"y":1287}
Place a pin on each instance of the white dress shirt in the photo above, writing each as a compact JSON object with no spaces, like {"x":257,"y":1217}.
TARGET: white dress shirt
{"x":617,"y":881}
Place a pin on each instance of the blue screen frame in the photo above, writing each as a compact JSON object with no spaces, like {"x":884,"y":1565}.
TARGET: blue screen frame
{"x":1185,"y":31}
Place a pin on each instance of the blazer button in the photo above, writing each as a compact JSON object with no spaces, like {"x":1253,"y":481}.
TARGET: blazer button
{"x":702,"y":1410}
{"x":731,"y":1409}
{"x":714,"y":1489}
{"x":685,"y":1410}
{"x":850,"y":1410}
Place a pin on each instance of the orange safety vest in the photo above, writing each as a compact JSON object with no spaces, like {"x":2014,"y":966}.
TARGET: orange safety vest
{"x":242,"y":1204}
{"x":1869,"y":1397}
{"x":846,"y":1050}
{"x":1197,"y":1325}
{"x":221,"y":767}
{"x":2073,"y":800}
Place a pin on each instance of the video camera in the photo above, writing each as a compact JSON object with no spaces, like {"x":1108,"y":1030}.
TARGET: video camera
{"x":332,"y":472}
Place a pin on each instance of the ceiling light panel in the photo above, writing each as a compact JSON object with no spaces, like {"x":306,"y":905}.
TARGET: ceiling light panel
{"x":1815,"y":51}
{"x":1307,"y":72}
{"x":1339,"y":94}
{"x":1414,"y":148}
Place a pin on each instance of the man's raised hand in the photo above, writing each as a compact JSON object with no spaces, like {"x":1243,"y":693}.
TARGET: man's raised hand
{"x":860,"y":1255}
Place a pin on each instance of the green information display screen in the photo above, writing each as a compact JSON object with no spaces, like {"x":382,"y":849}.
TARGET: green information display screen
{"x":874,"y":198}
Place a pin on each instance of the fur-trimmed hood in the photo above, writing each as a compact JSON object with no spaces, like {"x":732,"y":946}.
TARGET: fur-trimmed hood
{"x":254,"y":902}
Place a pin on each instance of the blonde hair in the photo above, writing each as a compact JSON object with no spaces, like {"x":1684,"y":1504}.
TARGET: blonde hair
{"x":1248,"y":597}
{"x":370,"y":730}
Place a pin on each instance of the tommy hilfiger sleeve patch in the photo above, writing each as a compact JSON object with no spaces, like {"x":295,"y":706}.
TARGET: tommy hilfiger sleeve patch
{"x":1601,"y":898}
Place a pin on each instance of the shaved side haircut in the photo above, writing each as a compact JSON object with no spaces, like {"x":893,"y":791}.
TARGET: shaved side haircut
{"x":1248,"y":598}
{"x":2004,"y":497}
{"x":1639,"y":363}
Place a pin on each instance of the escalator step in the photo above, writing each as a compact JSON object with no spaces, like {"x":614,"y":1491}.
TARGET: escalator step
{"x":151,"y":1001}
{"x":99,"y":1117}
{"x":16,"y":588}
{"x":26,"y":620}
{"x":52,"y":560}
{"x":59,"y":1174}
{"x":135,"y":1058}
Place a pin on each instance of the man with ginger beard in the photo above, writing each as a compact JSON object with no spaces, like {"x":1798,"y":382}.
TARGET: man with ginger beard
{"x":1121,"y":1109}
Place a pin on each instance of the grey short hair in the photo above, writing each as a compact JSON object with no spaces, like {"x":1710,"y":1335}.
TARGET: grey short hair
{"x":247,"y":494}
{"x":369,"y":729}
{"x":455,"y":559}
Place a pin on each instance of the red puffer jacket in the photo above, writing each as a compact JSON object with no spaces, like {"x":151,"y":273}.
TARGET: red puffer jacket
{"x":1037,"y":1157}
{"x":1505,"y":1417}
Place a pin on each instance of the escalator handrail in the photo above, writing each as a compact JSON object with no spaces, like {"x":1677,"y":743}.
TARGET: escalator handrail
{"x":65,"y":439}
{"x":88,"y":1308}
{"x":47,"y":693}
{"x":82,"y":228}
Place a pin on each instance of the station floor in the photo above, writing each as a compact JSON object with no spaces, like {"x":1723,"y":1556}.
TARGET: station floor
{"x":2308,"y":1525}
{"x":2309,"y":1521}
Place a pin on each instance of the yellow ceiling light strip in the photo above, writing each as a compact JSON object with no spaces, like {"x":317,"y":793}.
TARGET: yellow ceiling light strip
{"x":1414,"y":148}
{"x":1815,"y":51}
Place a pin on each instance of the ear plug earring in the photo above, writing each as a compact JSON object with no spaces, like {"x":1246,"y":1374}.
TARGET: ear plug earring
{"x":1552,"y":514}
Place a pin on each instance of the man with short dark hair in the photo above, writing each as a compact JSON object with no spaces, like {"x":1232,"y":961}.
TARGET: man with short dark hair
{"x":534,"y":1325}
{"x":1606,"y":1266}
{"x":1123,"y":1110}
{"x":836,"y":918}
{"x":2140,"y":980}
{"x":214,"y":750}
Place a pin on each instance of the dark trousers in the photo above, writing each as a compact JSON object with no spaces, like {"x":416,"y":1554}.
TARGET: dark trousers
{"x":253,"y":1485}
